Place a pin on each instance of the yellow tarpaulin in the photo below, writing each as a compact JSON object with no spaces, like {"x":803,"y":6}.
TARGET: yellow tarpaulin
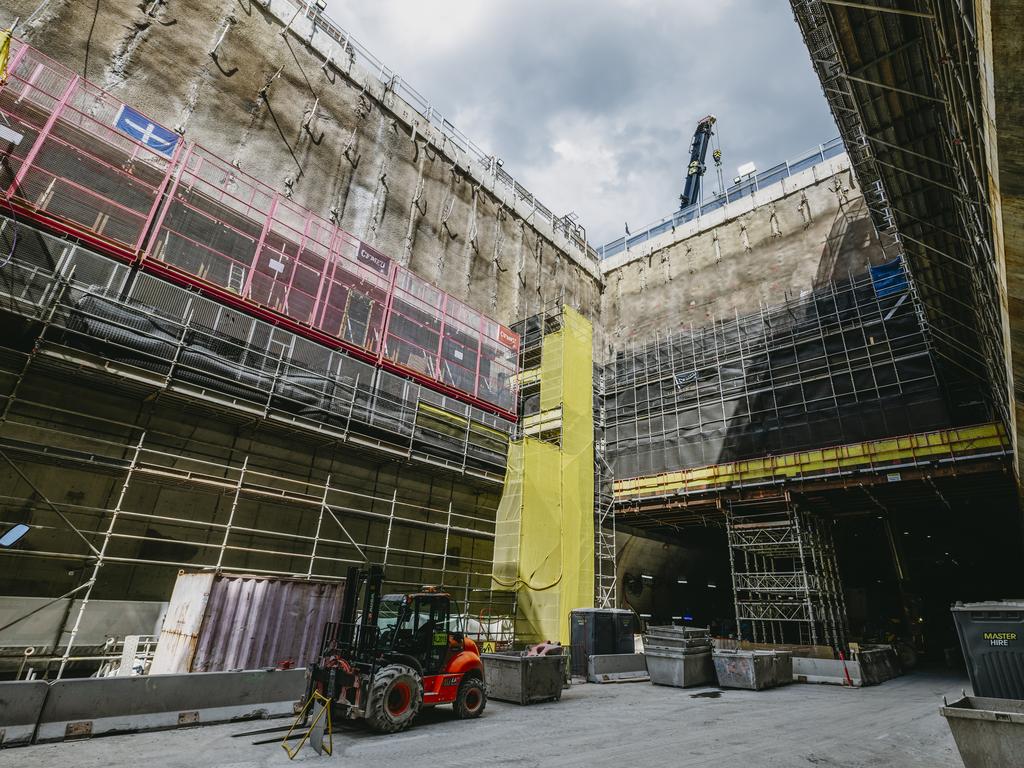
{"x":5,"y":53}
{"x":544,"y":543}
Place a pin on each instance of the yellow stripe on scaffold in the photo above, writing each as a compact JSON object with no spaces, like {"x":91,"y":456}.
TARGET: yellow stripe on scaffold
{"x":954,"y":443}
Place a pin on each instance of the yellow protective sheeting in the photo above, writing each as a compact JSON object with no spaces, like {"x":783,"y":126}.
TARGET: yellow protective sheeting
{"x":5,"y":53}
{"x":577,"y":466}
{"x":505,"y":567}
{"x":544,"y":539}
{"x":951,"y":444}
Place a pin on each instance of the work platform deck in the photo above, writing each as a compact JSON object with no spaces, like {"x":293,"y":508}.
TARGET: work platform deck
{"x":864,"y":478}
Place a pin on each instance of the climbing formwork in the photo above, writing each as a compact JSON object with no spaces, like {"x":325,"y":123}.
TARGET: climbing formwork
{"x":86,"y":165}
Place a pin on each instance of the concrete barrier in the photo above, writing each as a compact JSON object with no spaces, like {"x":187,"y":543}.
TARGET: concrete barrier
{"x":828,"y":671}
{"x":98,"y":706}
{"x":21,"y":703}
{"x":873,"y":666}
{"x":617,"y":668}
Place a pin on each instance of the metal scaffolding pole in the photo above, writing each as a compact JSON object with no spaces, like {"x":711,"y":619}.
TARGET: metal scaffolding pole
{"x":231,"y":515}
{"x":99,"y":562}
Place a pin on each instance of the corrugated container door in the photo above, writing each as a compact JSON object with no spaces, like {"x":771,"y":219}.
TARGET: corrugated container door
{"x":253,"y":622}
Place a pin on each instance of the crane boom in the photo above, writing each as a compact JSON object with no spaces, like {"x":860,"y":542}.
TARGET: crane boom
{"x":695,"y":169}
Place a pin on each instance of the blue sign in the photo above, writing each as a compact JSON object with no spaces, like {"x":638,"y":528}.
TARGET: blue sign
{"x":145,"y":131}
{"x":889,"y":278}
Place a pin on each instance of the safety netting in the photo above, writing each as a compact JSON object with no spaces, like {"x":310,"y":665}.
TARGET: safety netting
{"x":544,"y":543}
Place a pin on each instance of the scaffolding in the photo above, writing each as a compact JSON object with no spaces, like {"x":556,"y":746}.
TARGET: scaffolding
{"x":99,"y":316}
{"x":848,"y":362}
{"x":909,"y":118}
{"x":74,"y":316}
{"x":605,"y":564}
{"x":785,"y":576}
{"x":185,"y":214}
{"x":321,"y":528}
{"x":545,"y":548}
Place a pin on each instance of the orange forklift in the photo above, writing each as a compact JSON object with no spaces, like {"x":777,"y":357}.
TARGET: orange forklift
{"x":398,"y":654}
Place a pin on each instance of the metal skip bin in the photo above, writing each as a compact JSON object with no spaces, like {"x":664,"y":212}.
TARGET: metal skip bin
{"x":521,"y":679}
{"x":753,"y":670}
{"x":679,"y":656}
{"x":988,"y":732}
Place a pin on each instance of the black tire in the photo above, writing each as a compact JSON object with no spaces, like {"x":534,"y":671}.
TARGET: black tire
{"x":471,"y":699}
{"x":396,"y":696}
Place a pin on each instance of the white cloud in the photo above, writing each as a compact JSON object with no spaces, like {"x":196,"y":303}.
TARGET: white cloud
{"x":592,"y":103}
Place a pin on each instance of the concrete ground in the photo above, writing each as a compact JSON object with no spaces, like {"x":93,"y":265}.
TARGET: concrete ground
{"x":896,"y":725}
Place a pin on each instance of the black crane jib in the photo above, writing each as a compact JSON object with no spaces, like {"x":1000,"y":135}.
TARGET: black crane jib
{"x":695,"y":169}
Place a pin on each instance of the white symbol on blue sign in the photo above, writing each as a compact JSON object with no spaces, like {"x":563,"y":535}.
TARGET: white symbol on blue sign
{"x":144,"y":130}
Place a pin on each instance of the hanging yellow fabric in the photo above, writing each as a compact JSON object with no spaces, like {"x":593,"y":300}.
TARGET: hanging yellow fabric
{"x":5,"y":53}
{"x":544,"y":538}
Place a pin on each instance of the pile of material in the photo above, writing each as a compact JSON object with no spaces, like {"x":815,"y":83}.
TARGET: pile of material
{"x":679,"y":656}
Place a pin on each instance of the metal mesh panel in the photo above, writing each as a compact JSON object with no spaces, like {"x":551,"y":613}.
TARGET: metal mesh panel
{"x":78,"y":166}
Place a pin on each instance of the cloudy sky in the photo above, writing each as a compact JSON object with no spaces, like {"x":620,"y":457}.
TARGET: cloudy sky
{"x":591,"y":104}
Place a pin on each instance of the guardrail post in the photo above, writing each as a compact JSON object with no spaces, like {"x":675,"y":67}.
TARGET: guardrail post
{"x":167,"y":200}
{"x":267,"y":223}
{"x":387,"y":313}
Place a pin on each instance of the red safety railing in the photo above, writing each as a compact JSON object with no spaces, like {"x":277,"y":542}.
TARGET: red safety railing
{"x":90,"y":166}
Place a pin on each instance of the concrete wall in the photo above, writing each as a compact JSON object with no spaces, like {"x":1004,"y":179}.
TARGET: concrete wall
{"x":363,"y":156}
{"x":785,"y":239}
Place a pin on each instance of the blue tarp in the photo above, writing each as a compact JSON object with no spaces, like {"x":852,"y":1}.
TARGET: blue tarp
{"x":889,"y":278}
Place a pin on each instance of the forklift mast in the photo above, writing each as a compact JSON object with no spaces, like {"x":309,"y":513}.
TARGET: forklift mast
{"x":695,"y":169}
{"x":356,"y":638}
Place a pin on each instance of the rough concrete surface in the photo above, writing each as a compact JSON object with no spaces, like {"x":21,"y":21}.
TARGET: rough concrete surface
{"x":815,"y":232}
{"x":332,"y":138}
{"x":631,"y":724}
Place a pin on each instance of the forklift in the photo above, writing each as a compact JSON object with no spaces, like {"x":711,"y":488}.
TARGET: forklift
{"x":397,"y":654}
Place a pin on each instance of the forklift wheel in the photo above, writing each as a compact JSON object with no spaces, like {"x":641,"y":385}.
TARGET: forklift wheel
{"x":396,"y":695}
{"x":471,"y":700}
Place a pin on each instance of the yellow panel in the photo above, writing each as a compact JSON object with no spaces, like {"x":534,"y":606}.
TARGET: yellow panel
{"x":577,"y":467}
{"x":544,"y":543}
{"x":908,"y":449}
{"x":505,"y":568}
{"x":541,"y":567}
{"x":551,"y":371}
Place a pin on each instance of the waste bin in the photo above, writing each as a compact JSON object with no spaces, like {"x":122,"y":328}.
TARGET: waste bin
{"x":988,"y":732}
{"x":753,"y":670}
{"x":521,"y":679}
{"x":679,"y":656}
{"x":992,"y":639}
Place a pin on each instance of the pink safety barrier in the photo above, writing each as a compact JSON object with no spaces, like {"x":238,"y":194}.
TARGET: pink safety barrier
{"x":90,"y":166}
